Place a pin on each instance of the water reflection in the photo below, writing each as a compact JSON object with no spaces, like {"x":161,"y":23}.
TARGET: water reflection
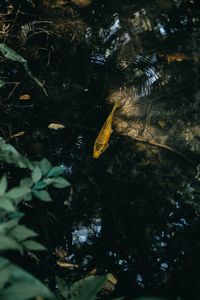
{"x":83,"y":234}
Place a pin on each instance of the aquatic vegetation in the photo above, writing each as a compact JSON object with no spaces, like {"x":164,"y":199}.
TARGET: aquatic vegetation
{"x":12,"y":55}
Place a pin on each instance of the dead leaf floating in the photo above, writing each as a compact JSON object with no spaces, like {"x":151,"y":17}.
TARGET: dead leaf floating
{"x":67,"y":265}
{"x":20,"y":133}
{"x":25,"y":97}
{"x":56,"y":126}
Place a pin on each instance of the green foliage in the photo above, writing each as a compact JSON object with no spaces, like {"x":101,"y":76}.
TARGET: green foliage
{"x":14,"y":236}
{"x":84,"y":289}
{"x":2,"y":83}
{"x":12,"y":55}
{"x":17,"y":284}
{"x":43,"y":174}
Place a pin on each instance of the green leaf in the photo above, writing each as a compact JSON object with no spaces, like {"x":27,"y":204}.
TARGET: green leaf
{"x":45,"y":166}
{"x":42,"y":195}
{"x":149,"y":298}
{"x":10,"y":149}
{"x":17,"y":192}
{"x":12,"y":55}
{"x":32,"y":245}
{"x":8,"y":243}
{"x":26,"y":182}
{"x":21,"y":233}
{"x":60,"y":183}
{"x":17,"y":284}
{"x":2,"y":83}
{"x":28,"y":197}
{"x":39,"y":185}
{"x":85,"y":289}
{"x":8,"y":225}
{"x":6,"y":204}
{"x":21,"y":291}
{"x":49,"y":181}
{"x":36,"y":174}
{"x":3,"y":185}
{"x":55,"y":171}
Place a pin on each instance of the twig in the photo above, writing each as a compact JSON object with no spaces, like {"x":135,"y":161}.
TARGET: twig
{"x":163,"y":146}
{"x":16,"y":85}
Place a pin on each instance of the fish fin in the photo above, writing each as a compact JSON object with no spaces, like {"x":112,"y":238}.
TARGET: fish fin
{"x":105,"y":147}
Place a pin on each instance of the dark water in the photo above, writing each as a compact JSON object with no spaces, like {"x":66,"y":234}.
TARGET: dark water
{"x":134,"y":212}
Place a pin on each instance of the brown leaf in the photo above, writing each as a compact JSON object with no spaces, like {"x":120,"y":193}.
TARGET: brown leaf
{"x":175,"y":57}
{"x":66,"y":265}
{"x":56,"y":126}
{"x":20,"y":133}
{"x":25,"y":97}
{"x":92,"y":272}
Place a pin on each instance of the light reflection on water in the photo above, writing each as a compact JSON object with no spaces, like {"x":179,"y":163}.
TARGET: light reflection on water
{"x":131,"y":46}
{"x":84,"y":234}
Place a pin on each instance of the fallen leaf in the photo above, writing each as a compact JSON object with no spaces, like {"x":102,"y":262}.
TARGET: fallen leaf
{"x":25,"y":97}
{"x":110,"y":284}
{"x":92,"y":272}
{"x":66,"y":265}
{"x":175,"y":57}
{"x":162,"y":123}
{"x":20,"y":133}
{"x":10,"y":9}
{"x":111,"y":278}
{"x":61,"y":253}
{"x":56,"y":126}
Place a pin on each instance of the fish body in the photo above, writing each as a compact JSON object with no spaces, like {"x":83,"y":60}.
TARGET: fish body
{"x":101,"y":142}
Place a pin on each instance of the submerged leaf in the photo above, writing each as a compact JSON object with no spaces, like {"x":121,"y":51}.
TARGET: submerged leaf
{"x":2,"y":83}
{"x":12,"y":55}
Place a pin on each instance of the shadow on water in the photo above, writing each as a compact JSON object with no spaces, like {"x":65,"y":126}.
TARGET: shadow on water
{"x":133,"y":212}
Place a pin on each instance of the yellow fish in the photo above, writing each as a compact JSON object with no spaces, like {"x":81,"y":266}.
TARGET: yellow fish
{"x":101,"y":143}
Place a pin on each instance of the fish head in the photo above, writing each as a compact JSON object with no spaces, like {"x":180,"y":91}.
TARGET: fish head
{"x":99,"y":149}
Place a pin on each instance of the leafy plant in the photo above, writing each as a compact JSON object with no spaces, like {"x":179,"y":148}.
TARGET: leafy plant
{"x":17,"y":284}
{"x":84,"y":289}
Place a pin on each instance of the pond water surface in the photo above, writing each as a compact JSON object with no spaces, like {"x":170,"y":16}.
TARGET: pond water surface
{"x":134,"y":212}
